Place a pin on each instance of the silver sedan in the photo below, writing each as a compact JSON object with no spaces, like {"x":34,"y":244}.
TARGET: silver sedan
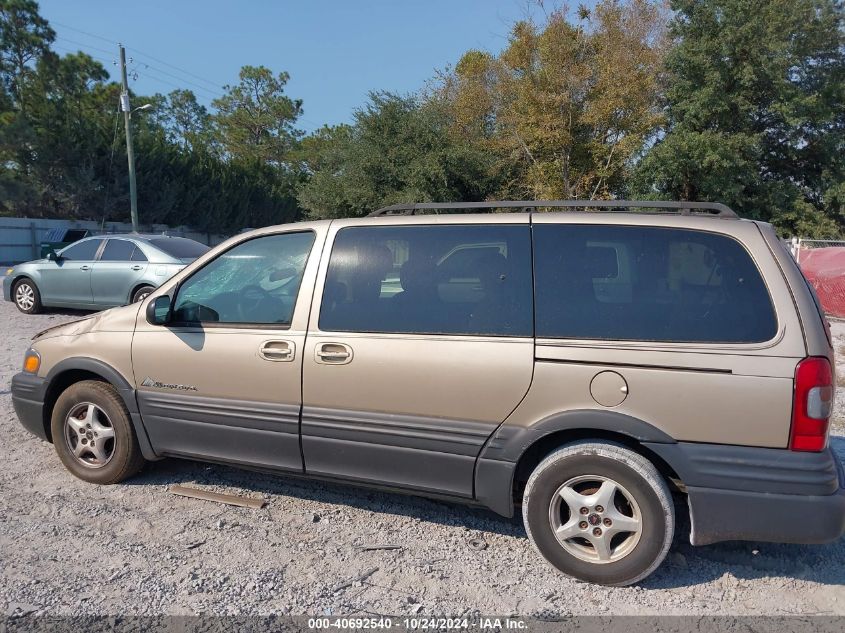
{"x":99,"y":272}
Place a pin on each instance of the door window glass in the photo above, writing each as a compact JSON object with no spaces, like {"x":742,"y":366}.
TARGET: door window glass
{"x":117,"y":251}
{"x":82,"y":251}
{"x":138,"y":255}
{"x":648,"y":284}
{"x":255,"y":282}
{"x":456,"y":279}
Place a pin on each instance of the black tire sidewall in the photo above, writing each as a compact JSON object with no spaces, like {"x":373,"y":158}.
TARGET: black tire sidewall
{"x":36,"y":303}
{"x":125,"y":444}
{"x":652,"y":539}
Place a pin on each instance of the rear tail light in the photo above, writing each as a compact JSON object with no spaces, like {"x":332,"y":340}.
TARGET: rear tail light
{"x":812,"y":405}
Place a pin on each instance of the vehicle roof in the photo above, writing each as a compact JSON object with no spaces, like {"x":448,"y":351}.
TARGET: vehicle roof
{"x":135,"y":236}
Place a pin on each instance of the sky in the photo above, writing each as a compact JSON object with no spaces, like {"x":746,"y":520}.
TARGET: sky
{"x":335,"y":51}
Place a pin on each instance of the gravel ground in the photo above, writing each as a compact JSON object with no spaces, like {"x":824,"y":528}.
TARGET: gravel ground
{"x":67,"y":547}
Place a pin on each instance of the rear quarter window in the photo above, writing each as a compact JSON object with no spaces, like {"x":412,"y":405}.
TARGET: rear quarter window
{"x":648,"y":284}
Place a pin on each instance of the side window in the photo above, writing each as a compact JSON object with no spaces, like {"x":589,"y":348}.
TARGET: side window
{"x":255,"y":282}
{"x":648,"y":284}
{"x":82,"y":251}
{"x":117,"y":251}
{"x":451,"y":279}
{"x":138,"y":255}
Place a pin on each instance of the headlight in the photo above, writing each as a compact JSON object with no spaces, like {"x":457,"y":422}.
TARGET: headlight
{"x":31,"y":361}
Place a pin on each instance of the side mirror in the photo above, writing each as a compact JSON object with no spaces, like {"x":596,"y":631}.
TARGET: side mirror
{"x":158,"y":311}
{"x":53,"y":256}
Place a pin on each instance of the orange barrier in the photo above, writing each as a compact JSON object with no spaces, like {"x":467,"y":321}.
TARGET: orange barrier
{"x":824,"y":268}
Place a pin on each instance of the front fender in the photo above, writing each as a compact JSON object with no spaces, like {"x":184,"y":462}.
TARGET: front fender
{"x":108,"y":373}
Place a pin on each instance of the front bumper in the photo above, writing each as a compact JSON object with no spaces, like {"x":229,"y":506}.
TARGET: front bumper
{"x":7,"y":288}
{"x":28,"y":400}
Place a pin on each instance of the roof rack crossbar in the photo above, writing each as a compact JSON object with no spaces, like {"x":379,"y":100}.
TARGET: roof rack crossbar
{"x":715,"y":209}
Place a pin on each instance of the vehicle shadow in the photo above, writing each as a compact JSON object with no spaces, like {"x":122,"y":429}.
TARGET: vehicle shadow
{"x":685,"y":565}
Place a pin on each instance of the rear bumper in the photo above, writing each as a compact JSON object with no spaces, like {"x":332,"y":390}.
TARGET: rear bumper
{"x":729,"y":515}
{"x":28,"y":401}
{"x":739,"y":493}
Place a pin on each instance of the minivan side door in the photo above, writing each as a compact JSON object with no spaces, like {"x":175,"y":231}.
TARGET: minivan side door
{"x":411,"y":362}
{"x":115,"y":273}
{"x":222,"y":380}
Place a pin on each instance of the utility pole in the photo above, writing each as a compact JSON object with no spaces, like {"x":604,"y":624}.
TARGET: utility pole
{"x":130,"y":152}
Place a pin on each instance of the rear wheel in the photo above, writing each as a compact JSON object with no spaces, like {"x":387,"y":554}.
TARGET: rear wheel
{"x":93,"y":435}
{"x":26,"y":296}
{"x":600,"y":512}
{"x":141,"y":293}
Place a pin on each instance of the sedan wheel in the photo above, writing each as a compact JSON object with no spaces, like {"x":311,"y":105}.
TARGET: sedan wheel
{"x":142,"y":293}
{"x":26,"y":296}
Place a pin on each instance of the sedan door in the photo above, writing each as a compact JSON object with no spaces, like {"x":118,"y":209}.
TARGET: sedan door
{"x":67,"y":281}
{"x":115,"y":274}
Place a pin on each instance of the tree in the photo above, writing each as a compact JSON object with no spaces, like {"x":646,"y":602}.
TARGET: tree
{"x":188,"y":122}
{"x":566,"y":107}
{"x":754,"y":94}
{"x":397,"y":150}
{"x":24,"y":37}
{"x":255,"y":119}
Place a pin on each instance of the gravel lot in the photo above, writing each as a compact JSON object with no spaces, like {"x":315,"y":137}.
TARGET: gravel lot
{"x":72,"y":548}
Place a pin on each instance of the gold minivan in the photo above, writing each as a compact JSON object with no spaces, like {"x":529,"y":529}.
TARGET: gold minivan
{"x":601,"y":370}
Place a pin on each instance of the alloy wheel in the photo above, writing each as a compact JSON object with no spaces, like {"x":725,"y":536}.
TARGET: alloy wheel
{"x":89,"y":435}
{"x":25,"y":296}
{"x":595,"y":519}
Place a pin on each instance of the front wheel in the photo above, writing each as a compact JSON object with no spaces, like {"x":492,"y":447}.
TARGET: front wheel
{"x":26,"y":297}
{"x":93,"y":435}
{"x":599,"y":512}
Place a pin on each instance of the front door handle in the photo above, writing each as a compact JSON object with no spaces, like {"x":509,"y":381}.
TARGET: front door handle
{"x":333,"y":354}
{"x":277,"y":351}
{"x":84,"y":268}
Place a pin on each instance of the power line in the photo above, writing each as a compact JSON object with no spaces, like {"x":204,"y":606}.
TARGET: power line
{"x":72,"y":50}
{"x":73,"y":28}
{"x":93,"y":48}
{"x":146,"y":73}
{"x":190,"y":83}
{"x":181,"y":70}
{"x":160,"y":61}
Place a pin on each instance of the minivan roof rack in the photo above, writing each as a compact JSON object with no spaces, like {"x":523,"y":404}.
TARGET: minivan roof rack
{"x":713,"y":209}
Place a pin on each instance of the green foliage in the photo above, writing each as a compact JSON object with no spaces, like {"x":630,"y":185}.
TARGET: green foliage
{"x":397,"y":151}
{"x":740,"y":102}
{"x":754,"y":95}
{"x":255,"y":119}
{"x":63,"y":154}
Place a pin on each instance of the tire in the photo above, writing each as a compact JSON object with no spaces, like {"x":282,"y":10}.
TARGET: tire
{"x":141,"y":293}
{"x":93,"y":435}
{"x":26,"y":296}
{"x":585,"y":475}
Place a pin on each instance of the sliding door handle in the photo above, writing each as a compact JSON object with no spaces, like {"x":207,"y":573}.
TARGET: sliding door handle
{"x":333,"y":354}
